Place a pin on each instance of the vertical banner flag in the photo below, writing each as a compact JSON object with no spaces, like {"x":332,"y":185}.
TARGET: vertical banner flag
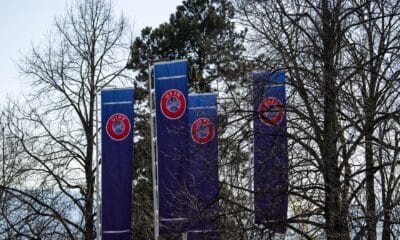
{"x":171,"y":85}
{"x":270,"y":150}
{"x":117,"y":162}
{"x":203,"y":167}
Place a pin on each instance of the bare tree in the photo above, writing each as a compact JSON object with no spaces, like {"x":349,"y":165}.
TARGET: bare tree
{"x":387,"y":155}
{"x":341,"y":61}
{"x":373,"y":48}
{"x":55,"y":128}
{"x":306,"y":40}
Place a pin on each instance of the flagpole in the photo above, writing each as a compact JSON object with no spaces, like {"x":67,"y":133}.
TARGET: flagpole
{"x":251,"y":163}
{"x":98,"y":234}
{"x":3,"y":156}
{"x":153,"y":159}
{"x":98,"y":171}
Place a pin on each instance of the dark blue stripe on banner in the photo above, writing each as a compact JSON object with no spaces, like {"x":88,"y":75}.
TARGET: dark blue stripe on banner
{"x":117,"y":162}
{"x":270,"y":151}
{"x":171,"y":85}
{"x":203,"y":167}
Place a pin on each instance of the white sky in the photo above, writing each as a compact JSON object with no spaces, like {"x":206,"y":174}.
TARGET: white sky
{"x":26,"y":22}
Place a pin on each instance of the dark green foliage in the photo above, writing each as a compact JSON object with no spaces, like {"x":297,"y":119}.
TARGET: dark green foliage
{"x":142,"y":204}
{"x":202,"y":32}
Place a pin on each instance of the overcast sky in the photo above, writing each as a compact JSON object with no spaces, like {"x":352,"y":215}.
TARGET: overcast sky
{"x":25,"y":22}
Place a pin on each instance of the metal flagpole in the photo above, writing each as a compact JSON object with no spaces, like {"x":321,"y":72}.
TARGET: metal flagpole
{"x":98,"y":228}
{"x":153,"y":160}
{"x":3,"y":158}
{"x":251,"y":164}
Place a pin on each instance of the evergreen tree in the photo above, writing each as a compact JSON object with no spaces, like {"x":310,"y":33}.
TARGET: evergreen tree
{"x":202,"y":32}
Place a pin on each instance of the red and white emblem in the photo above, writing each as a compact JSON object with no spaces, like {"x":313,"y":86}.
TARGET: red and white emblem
{"x":173,"y":104}
{"x":271,"y":111}
{"x":203,"y":130}
{"x":118,"y":127}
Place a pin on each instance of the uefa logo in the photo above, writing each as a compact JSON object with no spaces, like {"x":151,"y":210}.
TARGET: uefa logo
{"x":271,"y":111}
{"x":202,"y":130}
{"x":173,"y":104}
{"x":118,"y":127}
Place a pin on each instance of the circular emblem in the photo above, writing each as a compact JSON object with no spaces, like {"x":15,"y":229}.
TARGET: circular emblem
{"x":173,"y":104}
{"x":202,"y":130}
{"x":118,"y":127}
{"x":271,"y":111}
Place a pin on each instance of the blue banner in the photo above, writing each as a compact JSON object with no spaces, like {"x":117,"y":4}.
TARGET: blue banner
{"x":171,"y":86}
{"x":270,"y":151}
{"x":117,"y":162}
{"x":203,"y":167}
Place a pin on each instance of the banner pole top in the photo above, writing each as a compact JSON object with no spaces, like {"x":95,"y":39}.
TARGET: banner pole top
{"x":170,"y":62}
{"x":115,"y":89}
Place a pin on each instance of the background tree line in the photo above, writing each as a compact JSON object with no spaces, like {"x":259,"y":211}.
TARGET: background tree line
{"x":341,"y":63}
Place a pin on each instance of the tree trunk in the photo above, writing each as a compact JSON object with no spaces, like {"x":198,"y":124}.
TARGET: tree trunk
{"x":370,"y":186}
{"x":89,"y":219}
{"x":336,"y":222}
{"x":89,"y":216}
{"x":369,"y":109}
{"x":386,"y":224}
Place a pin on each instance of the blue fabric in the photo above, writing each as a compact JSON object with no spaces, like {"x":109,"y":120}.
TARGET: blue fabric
{"x":117,"y":162}
{"x":270,"y":150}
{"x":172,"y":135}
{"x":203,"y":167}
